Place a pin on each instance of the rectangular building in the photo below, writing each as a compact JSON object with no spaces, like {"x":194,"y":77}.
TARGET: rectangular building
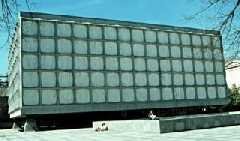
{"x":67,"y":64}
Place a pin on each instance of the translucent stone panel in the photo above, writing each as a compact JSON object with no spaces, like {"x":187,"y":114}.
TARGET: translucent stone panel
{"x":65,"y":79}
{"x":166,"y":79}
{"x":82,"y":96}
{"x":127,"y":79}
{"x":96,"y":47}
{"x":29,"y":44}
{"x":112,"y":79}
{"x":95,"y":32}
{"x":174,"y":38}
{"x":209,"y":66}
{"x":206,"y":40}
{"x":81,"y":63}
{"x":110,"y":48}
{"x":138,"y":50}
{"x":97,"y":79}
{"x":66,"y":96}
{"x":212,"y":93}
{"x":177,"y":65}
{"x":219,"y":67}
{"x":220,"y":79}
{"x":185,"y":39}
{"x":47,"y":45}
{"x":48,"y":79}
{"x":139,"y":64}
{"x":65,"y":62}
{"x":128,"y":95}
{"x":125,"y":49}
{"x":80,"y":47}
{"x":30,"y":79}
{"x":80,"y":31}
{"x":46,"y":28}
{"x":114,"y":95}
{"x":98,"y":95}
{"x":178,"y":93}
{"x":163,"y":51}
{"x":197,"y":53}
{"x":178,"y":79}
{"x":96,"y":63}
{"x":110,"y":33}
{"x":217,"y":54}
{"x":111,"y":63}
{"x":207,"y":53}
{"x":187,"y":52}
{"x":49,"y":97}
{"x":30,"y":97}
{"x":64,"y":30}
{"x":196,"y":40}
{"x":199,"y":66}
{"x":125,"y":63}
{"x":141,"y":94}
{"x":210,"y":79}
{"x":64,"y":46}
{"x":175,"y":51}
{"x":221,"y":92}
{"x":167,"y":94}
{"x":201,"y":93}
{"x":150,"y":36}
{"x":165,"y":65}
{"x":124,"y":34}
{"x":29,"y":27}
{"x":81,"y":79}
{"x":140,"y":79}
{"x":190,"y":93}
{"x":216,"y":42}
{"x":155,"y":94}
{"x":189,"y":79}
{"x":153,"y":79}
{"x":48,"y":62}
{"x":200,"y":79}
{"x":188,"y":65}
{"x":163,"y":37}
{"x":151,"y":50}
{"x":137,"y":35}
{"x":30,"y":61}
{"x":152,"y":65}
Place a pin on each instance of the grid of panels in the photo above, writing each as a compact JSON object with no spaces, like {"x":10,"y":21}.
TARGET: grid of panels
{"x":76,"y":63}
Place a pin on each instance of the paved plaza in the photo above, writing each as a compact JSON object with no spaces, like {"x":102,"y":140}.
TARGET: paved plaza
{"x":231,"y":133}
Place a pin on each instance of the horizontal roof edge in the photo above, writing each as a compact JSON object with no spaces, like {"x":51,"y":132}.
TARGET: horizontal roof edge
{"x":108,"y":21}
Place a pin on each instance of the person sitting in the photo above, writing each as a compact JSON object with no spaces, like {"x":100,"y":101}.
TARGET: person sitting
{"x":151,"y":115}
{"x":104,"y":127}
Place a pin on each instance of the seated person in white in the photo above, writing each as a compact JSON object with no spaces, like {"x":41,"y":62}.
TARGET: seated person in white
{"x":151,"y":115}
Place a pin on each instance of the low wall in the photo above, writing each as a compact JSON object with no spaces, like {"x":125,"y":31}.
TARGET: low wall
{"x":130,"y":125}
{"x":201,"y":121}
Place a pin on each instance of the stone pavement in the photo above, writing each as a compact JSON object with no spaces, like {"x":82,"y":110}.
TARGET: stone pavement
{"x":231,"y":133}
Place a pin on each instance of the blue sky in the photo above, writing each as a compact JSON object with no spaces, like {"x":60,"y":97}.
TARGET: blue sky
{"x":169,"y":12}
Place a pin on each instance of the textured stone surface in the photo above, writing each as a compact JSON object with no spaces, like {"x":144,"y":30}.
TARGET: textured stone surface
{"x":49,"y":97}
{"x":30,"y":79}
{"x":82,"y":96}
{"x":66,"y":96}
{"x":98,"y":95}
{"x":31,"y":97}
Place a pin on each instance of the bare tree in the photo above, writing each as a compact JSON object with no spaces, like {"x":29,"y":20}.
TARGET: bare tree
{"x":8,"y":14}
{"x":226,"y":15}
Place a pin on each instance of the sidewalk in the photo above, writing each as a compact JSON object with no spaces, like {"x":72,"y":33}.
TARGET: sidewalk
{"x":231,"y":133}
